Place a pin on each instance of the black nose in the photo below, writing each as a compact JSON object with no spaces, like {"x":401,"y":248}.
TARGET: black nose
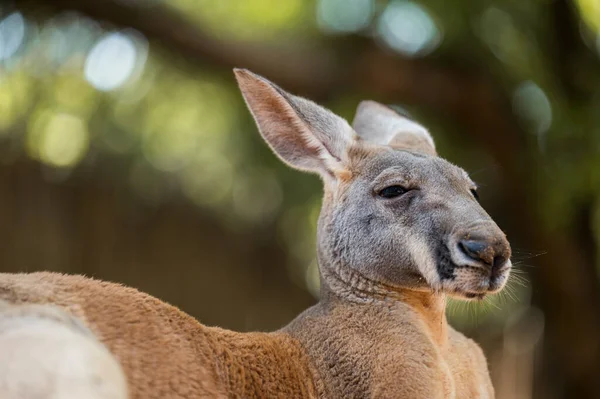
{"x":486,"y":252}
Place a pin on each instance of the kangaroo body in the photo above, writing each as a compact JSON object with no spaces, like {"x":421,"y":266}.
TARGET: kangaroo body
{"x":400,"y":230}
{"x":391,"y":351}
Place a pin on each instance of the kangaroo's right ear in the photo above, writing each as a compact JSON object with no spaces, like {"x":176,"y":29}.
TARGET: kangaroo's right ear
{"x":303,"y":134}
{"x":382,"y":125}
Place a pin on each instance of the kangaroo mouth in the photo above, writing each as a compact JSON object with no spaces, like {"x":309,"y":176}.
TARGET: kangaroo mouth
{"x":474,"y":295}
{"x":469,"y":282}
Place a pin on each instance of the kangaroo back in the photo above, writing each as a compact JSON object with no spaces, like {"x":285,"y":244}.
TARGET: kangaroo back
{"x":163,"y":351}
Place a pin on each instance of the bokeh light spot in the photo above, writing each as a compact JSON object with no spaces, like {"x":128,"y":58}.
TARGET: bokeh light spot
{"x":533,"y":106}
{"x":111,"y":62}
{"x":247,"y":20}
{"x":344,"y":16}
{"x":208,"y":180}
{"x":590,"y":13}
{"x":409,"y":29}
{"x":190,"y":122}
{"x":58,"y":139}
{"x":12,"y":33}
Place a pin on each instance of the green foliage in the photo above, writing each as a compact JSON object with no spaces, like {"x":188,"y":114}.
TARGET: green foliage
{"x":250,"y":20}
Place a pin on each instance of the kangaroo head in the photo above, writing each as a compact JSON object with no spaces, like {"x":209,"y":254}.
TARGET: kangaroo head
{"x":394,"y":214}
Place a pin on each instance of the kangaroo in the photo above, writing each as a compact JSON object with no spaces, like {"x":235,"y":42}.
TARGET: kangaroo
{"x":400,"y":230}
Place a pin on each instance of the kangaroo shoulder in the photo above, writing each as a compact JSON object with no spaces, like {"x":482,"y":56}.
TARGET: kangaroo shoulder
{"x":469,"y":366}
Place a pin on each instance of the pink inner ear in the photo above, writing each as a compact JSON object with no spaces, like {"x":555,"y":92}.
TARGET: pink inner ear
{"x":303,"y":134}
{"x":277,"y":122}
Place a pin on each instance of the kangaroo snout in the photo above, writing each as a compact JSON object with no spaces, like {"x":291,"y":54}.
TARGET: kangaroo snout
{"x":482,"y":246}
{"x":489,"y":253}
{"x":481,"y":258}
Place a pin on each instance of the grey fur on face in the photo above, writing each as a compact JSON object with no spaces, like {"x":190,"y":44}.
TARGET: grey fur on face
{"x":408,"y":241}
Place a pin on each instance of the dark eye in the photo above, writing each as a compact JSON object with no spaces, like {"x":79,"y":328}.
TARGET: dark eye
{"x":475,"y":195}
{"x":392,"y":191}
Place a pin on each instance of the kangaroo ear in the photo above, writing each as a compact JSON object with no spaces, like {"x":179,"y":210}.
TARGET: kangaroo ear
{"x":303,"y":134}
{"x":382,"y":125}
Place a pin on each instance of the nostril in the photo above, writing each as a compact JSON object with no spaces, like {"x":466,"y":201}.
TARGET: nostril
{"x":473,"y":249}
{"x":499,"y":261}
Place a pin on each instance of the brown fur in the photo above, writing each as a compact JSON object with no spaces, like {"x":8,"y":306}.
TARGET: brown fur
{"x":392,"y":347}
{"x":397,"y":346}
{"x":164,"y":352}
{"x":48,"y":353}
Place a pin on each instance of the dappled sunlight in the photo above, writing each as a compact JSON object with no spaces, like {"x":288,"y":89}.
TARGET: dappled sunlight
{"x":63,"y":141}
{"x":15,"y":98}
{"x":59,"y":43}
{"x":184,"y":119}
{"x":248,"y":20}
{"x":12,"y":33}
{"x":344,"y":16}
{"x":533,"y":106}
{"x":112,"y":61}
{"x":507,"y":41}
{"x":408,"y":28}
{"x":57,"y":139}
{"x":590,"y":12}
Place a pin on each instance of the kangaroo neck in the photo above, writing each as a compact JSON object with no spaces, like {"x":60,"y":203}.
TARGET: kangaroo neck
{"x":362,"y":328}
{"x":347,"y":286}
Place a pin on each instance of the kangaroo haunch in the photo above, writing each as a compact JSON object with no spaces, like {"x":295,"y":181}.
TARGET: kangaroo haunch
{"x":400,"y":229}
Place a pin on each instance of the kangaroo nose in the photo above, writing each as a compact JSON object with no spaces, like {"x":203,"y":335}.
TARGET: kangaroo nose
{"x":493,"y":255}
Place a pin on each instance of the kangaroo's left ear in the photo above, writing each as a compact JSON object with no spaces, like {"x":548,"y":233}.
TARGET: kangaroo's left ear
{"x":382,"y":125}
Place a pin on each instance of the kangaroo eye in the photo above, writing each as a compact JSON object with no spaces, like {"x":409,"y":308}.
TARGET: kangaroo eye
{"x":392,"y":191}
{"x":475,"y":195}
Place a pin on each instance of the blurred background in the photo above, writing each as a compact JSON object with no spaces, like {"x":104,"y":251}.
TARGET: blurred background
{"x":127,"y":154}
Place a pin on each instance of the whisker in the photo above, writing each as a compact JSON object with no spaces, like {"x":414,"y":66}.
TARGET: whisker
{"x":518,"y":279}
{"x":524,"y":255}
{"x":476,"y":172}
{"x":489,"y":301}
{"x":509,"y":291}
{"x":520,"y":263}
{"x":516,"y":269}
